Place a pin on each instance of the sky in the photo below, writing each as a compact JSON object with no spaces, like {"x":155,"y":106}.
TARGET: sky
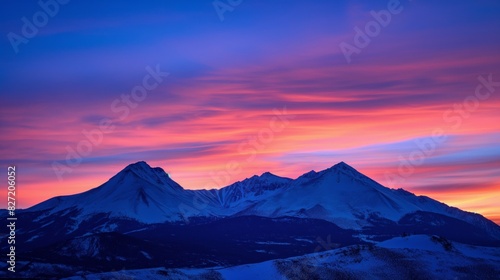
{"x":407,"y":92}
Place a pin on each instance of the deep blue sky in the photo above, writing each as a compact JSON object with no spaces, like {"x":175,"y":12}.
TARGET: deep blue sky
{"x":226,"y":78}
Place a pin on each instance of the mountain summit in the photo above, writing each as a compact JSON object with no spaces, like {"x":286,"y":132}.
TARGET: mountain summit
{"x":141,"y":171}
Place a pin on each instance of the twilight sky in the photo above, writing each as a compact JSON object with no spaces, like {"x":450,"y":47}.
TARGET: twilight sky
{"x":262,"y":86}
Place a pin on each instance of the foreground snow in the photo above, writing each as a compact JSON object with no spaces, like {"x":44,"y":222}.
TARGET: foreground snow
{"x":415,"y":257}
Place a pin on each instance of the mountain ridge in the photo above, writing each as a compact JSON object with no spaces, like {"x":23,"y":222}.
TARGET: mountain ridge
{"x":339,"y":194}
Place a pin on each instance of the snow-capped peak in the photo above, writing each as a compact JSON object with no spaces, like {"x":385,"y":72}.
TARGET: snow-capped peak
{"x":344,"y":168}
{"x":141,"y":170}
{"x":138,"y":166}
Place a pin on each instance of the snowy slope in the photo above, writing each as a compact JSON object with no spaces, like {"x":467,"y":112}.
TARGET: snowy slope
{"x":415,"y":257}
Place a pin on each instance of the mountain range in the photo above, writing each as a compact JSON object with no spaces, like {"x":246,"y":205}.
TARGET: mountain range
{"x":141,"y":218}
